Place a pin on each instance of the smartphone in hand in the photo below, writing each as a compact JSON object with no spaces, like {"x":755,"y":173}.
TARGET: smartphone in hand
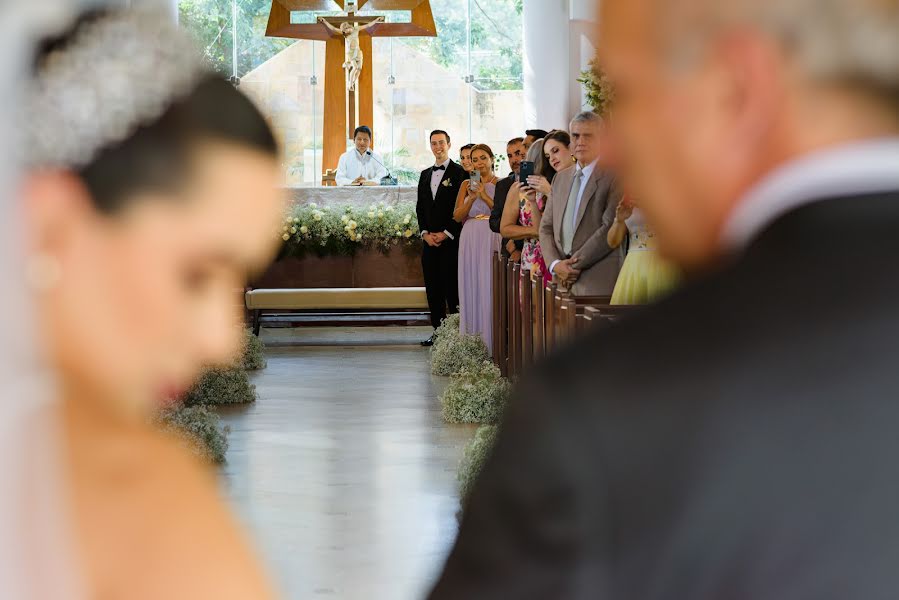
{"x":475,"y":176}
{"x":525,"y":171}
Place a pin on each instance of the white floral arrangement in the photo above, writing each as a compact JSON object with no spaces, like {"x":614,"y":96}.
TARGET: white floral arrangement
{"x":453,"y":352}
{"x":344,"y":229}
{"x":474,"y":456}
{"x":476,"y":395}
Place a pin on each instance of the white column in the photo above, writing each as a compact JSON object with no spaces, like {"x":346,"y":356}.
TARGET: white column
{"x":583,"y":28}
{"x":547,"y":88}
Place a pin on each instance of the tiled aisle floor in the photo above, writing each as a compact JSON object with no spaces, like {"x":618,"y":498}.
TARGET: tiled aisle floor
{"x":343,"y":470}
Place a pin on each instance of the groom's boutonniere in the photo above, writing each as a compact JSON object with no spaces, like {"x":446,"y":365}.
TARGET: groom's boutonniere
{"x":446,"y":183}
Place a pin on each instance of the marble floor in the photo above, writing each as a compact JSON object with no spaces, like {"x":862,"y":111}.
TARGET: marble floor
{"x":343,"y":471}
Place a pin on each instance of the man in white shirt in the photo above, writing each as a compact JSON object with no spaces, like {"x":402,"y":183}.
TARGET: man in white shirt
{"x":360,"y":165}
{"x":579,"y":214}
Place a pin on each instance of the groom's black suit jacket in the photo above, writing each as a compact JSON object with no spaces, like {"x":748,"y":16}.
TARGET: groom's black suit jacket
{"x":435,"y":214}
{"x":737,"y":441}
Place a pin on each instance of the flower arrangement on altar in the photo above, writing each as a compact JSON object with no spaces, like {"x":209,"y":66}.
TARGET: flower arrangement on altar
{"x":342,"y":230}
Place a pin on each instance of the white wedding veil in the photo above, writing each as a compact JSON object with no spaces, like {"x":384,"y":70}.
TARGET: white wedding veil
{"x":37,"y":557}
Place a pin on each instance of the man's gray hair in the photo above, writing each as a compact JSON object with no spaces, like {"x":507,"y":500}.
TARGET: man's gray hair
{"x":855,"y":41}
{"x":587,"y":116}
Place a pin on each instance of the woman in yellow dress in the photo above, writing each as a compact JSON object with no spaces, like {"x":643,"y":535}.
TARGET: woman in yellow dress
{"x":645,"y":276}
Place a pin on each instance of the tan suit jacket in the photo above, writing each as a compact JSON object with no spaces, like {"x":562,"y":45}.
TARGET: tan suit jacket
{"x":599,"y":264}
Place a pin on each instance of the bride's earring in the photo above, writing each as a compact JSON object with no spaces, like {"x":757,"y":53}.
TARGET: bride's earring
{"x":43,"y":272}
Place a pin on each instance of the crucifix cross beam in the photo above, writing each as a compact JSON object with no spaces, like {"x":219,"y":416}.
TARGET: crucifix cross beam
{"x":348,"y":82}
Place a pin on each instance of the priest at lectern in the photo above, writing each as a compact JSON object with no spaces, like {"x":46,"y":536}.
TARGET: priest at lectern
{"x":360,"y":165}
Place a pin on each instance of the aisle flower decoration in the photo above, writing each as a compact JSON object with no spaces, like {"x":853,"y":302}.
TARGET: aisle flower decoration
{"x":198,"y":429}
{"x":474,"y":456}
{"x":453,"y":352}
{"x":253,"y":354}
{"x":222,"y":385}
{"x":476,"y":394}
{"x":342,"y":230}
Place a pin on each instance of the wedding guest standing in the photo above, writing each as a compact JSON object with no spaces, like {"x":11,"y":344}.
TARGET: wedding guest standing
{"x":531,"y":136}
{"x":515,"y":152}
{"x":465,"y":157}
{"x":438,"y":187}
{"x":580,"y":212}
{"x":521,"y":219}
{"x":360,"y":165}
{"x":473,"y":205}
{"x":645,"y":275}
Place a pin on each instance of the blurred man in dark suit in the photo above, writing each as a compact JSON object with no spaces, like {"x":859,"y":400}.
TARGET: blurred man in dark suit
{"x":738,"y":440}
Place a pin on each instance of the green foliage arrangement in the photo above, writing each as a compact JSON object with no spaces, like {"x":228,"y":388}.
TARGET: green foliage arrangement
{"x":200,"y":430}
{"x":476,"y":395}
{"x":600,"y":93}
{"x":343,"y":230}
{"x":453,"y":352}
{"x":221,"y":386}
{"x":473,"y":458}
{"x":253,"y":357}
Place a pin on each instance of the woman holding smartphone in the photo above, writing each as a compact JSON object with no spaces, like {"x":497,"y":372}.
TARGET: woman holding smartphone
{"x":477,"y":245}
{"x":522,"y":220}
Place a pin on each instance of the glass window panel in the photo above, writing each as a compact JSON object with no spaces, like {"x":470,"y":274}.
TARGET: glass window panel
{"x":496,"y":66}
{"x":253,"y":47}
{"x":283,"y":87}
{"x":423,"y":96}
{"x":209,"y":22}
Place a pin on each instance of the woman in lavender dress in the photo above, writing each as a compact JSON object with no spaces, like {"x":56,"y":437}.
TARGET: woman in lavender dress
{"x":476,"y":246}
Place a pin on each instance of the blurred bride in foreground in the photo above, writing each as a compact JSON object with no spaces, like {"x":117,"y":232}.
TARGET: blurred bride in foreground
{"x":147,"y":193}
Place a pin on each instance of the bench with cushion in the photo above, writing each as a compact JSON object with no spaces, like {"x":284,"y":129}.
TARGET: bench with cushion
{"x":320,"y":305}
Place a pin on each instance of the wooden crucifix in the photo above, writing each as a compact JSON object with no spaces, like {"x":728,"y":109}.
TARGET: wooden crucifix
{"x":348,"y":56}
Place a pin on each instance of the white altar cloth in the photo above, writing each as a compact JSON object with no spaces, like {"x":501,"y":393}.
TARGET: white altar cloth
{"x":361,"y":196}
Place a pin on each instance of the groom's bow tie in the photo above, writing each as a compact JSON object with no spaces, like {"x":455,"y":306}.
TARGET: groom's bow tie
{"x":440,"y":168}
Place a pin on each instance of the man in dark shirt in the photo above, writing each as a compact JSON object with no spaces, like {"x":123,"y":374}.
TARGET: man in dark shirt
{"x":515,"y":152}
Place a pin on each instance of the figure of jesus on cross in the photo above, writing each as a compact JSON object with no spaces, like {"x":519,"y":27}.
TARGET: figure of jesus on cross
{"x":354,"y":57}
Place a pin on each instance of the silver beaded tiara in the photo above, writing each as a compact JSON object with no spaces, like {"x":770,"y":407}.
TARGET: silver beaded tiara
{"x":118,"y":73}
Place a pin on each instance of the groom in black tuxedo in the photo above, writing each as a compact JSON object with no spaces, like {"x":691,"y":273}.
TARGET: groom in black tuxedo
{"x":437,"y":190}
{"x":737,"y":440}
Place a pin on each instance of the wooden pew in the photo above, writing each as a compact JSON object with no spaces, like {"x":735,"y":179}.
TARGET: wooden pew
{"x":513,"y":309}
{"x":537,"y":314}
{"x":549,"y":317}
{"x":527,"y":318}
{"x":496,"y":313}
{"x":501,"y":314}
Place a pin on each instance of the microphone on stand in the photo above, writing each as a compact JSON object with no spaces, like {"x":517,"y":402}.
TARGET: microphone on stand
{"x":388,"y":180}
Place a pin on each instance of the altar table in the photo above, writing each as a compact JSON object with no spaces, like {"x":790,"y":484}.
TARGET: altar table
{"x":358,"y":196}
{"x":401,"y":267}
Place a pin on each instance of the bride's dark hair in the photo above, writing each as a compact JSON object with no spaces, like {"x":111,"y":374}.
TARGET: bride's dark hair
{"x":156,"y":157}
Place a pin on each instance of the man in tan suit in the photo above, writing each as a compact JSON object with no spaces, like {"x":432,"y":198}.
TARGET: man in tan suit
{"x":577,"y":218}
